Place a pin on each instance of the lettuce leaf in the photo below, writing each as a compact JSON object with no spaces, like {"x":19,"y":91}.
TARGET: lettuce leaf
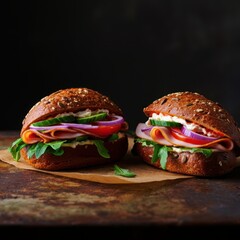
{"x":101,"y":148}
{"x":54,"y":147}
{"x":15,"y":148}
{"x":123,"y":172}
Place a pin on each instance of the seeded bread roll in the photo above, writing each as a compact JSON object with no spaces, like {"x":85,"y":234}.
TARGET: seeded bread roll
{"x":68,"y":100}
{"x":196,"y":108}
{"x":205,"y":143}
{"x":90,"y":130}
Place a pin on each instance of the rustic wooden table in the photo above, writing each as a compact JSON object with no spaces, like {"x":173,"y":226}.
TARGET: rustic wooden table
{"x":42,"y":205}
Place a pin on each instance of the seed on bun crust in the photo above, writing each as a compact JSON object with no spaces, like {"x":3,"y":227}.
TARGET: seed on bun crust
{"x":189,"y":134}
{"x":72,"y":128}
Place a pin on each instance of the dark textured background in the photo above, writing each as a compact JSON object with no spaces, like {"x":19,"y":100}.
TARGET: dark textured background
{"x":133,"y":51}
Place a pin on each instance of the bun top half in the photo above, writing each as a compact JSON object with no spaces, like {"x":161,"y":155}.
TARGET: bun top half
{"x":69,"y":100}
{"x":196,"y":108}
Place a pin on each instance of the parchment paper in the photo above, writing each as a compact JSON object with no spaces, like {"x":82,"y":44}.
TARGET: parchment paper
{"x":105,"y":174}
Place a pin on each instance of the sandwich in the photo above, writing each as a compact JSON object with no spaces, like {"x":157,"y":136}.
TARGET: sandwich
{"x":187,"y":133}
{"x":72,"y":128}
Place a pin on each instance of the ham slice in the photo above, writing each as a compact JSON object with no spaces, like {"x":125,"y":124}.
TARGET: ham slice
{"x":31,"y":136}
{"x":163,"y":136}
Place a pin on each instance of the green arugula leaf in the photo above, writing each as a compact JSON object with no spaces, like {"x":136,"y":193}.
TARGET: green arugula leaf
{"x":156,"y":155}
{"x":163,"y":154}
{"x":31,"y":150}
{"x":57,"y":152}
{"x":206,"y":151}
{"x":123,"y":172}
{"x":113,"y":137}
{"x":160,"y":152}
{"x":40,"y":147}
{"x":56,"y":144}
{"x":15,"y":148}
{"x":101,"y":148}
{"x":145,"y":142}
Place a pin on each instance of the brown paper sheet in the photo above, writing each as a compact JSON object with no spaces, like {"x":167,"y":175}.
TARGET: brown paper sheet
{"x":105,"y":174}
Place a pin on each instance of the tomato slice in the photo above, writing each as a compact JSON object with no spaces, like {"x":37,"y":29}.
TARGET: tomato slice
{"x":105,"y":131}
{"x":176,"y":132}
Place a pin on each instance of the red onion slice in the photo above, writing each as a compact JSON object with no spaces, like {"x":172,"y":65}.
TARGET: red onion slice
{"x":60,"y":126}
{"x":115,"y":120}
{"x":195,"y":135}
{"x":140,"y":133}
{"x":147,"y":130}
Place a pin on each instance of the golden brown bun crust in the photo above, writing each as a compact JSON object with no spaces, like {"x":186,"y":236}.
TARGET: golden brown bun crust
{"x":79,"y":157}
{"x":195,"y":164}
{"x":68,"y":100}
{"x":196,"y":108}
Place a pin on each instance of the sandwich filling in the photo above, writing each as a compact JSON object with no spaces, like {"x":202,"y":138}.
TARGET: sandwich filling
{"x":169,"y":133}
{"x":70,"y":130}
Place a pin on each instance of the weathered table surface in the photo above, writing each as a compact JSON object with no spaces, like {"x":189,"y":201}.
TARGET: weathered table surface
{"x":33,"y":200}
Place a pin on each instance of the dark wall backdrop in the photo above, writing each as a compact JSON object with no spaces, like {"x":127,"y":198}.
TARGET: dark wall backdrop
{"x":134,"y":51}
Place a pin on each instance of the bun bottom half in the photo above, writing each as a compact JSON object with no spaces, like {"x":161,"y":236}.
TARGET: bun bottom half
{"x":187,"y":163}
{"x":79,"y":157}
